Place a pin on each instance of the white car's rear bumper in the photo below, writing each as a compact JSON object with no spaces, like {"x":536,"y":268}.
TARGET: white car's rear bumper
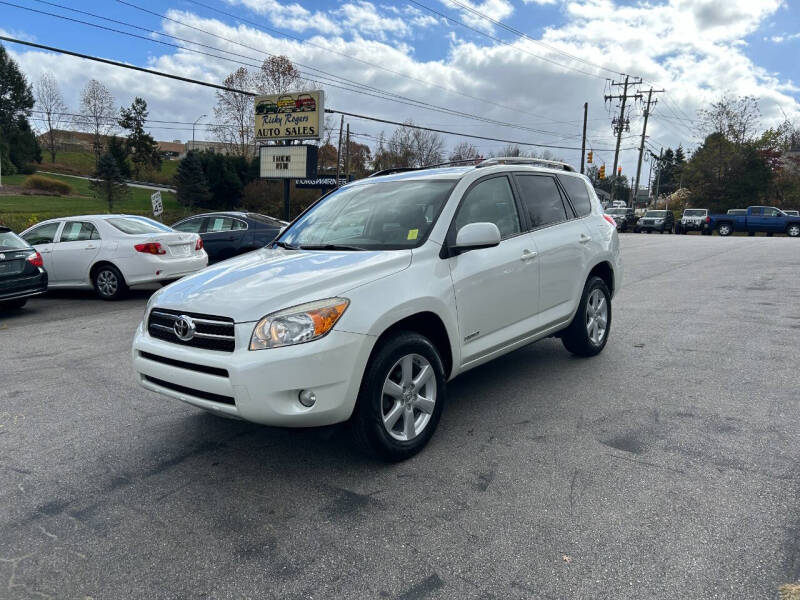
{"x":148,"y":268}
{"x":260,"y":386}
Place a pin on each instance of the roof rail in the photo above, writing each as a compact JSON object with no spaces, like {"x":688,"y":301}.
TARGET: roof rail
{"x":463,"y":162}
{"x":523,"y":160}
{"x":393,"y":170}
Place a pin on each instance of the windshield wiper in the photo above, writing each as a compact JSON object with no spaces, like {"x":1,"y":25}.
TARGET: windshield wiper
{"x":331,"y":247}
{"x":285,"y":245}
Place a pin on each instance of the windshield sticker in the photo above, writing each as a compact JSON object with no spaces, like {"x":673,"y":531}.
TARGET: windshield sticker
{"x":412,"y":234}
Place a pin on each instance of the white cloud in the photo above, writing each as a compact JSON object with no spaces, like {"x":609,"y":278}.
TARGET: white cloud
{"x":363,"y":17}
{"x":293,"y":17}
{"x":495,"y":9}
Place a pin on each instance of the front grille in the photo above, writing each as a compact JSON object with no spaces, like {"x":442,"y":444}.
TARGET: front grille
{"x":196,"y":393}
{"x":212,"y":333}
{"x":185,"y":365}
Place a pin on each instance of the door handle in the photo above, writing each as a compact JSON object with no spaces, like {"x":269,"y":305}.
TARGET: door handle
{"x":528,"y":255}
{"x":91,"y":247}
{"x":585,"y":238}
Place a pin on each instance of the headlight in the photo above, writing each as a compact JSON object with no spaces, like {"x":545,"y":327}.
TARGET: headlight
{"x":298,"y":324}
{"x":659,"y":220}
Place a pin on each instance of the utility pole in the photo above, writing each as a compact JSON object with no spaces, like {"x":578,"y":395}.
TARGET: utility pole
{"x":647,"y":109}
{"x":347,"y":155}
{"x":658,"y":173}
{"x":339,"y":152}
{"x":622,"y":123}
{"x":583,"y":143}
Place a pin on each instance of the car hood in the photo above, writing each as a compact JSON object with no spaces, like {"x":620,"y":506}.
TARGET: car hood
{"x":257,"y":283}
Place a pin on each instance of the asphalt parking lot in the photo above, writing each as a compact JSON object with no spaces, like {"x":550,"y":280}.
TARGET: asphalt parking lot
{"x":667,"y":467}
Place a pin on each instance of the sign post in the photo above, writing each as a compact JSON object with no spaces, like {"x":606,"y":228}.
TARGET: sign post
{"x":158,"y":205}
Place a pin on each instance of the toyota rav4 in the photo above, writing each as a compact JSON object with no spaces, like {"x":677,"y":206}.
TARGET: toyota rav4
{"x":380,"y":293}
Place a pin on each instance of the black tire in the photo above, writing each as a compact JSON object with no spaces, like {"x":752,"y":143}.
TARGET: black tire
{"x":13,"y":304}
{"x":109,"y":283}
{"x":769,"y":234}
{"x":367,"y":421}
{"x":751,"y":234}
{"x":793,"y":230}
{"x":576,"y":337}
{"x":725,"y":229}
{"x":649,"y":230}
{"x":637,"y":230}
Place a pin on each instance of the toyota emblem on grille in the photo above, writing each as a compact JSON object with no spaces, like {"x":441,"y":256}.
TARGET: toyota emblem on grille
{"x":184,"y":328}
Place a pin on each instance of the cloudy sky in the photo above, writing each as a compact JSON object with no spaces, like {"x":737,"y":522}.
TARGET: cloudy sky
{"x":526,"y":65}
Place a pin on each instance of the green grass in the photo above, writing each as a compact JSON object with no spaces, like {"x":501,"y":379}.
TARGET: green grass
{"x":20,"y":212}
{"x":82,"y":163}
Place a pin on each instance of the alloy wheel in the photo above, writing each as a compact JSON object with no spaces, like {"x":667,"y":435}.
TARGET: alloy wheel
{"x":107,"y":283}
{"x":596,"y":316}
{"x":409,"y":397}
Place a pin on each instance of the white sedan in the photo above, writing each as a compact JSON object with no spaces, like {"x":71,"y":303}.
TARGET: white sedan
{"x":113,"y":252}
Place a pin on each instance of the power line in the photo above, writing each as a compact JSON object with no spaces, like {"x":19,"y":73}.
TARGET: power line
{"x":382,"y":94}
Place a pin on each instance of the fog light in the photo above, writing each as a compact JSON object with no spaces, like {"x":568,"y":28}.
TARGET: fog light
{"x":307,"y":398}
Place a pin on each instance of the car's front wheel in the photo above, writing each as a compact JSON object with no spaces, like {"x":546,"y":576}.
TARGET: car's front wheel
{"x":588,"y":333}
{"x":109,"y":283}
{"x":401,"y":398}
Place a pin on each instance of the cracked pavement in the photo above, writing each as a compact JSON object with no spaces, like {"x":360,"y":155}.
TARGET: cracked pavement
{"x":667,"y":467}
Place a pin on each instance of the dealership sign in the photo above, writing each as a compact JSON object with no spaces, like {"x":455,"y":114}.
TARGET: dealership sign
{"x":288,"y":162}
{"x":290,"y":116}
{"x":318,"y":182}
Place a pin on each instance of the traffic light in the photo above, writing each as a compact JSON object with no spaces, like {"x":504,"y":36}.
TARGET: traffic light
{"x":589,"y":157}
{"x":619,"y":171}
{"x":602,"y":172}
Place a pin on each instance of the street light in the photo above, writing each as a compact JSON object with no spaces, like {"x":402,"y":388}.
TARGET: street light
{"x":193,"y":125}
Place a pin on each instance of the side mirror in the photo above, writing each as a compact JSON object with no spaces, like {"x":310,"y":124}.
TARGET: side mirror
{"x":477,"y":235}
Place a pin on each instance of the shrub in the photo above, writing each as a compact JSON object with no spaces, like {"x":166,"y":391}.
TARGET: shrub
{"x":46,"y":184}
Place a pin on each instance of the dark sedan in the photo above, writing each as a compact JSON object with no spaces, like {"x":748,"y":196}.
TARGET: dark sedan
{"x":227,"y":234}
{"x":22,"y":271}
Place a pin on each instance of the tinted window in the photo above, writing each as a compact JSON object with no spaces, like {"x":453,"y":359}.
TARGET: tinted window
{"x":542,"y":200}
{"x":771,"y":212}
{"x":43,"y":234}
{"x":76,"y":231}
{"x":10,"y":241}
{"x":490,"y":201}
{"x":578,"y":193}
{"x":756,"y":212}
{"x":190,"y":226}
{"x":217,"y":224}
{"x":237,"y":224}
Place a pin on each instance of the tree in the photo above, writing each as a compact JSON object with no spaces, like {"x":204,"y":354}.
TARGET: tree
{"x":108,"y":184}
{"x":277,"y":75}
{"x":50,"y":101}
{"x":18,"y":144}
{"x":234,"y":114}
{"x":463,"y":151}
{"x":119,"y":150}
{"x":191,"y":182}
{"x":141,"y":145}
{"x":736,"y":119}
{"x":97,"y":114}
{"x":409,"y":147}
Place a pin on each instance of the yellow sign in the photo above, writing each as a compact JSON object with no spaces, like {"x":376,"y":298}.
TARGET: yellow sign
{"x":290,"y":116}
{"x":413,"y":233}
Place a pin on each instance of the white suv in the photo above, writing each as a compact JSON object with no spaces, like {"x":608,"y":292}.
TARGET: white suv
{"x":381,"y":292}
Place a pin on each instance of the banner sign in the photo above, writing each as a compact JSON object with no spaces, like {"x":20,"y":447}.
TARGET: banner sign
{"x":288,"y":162}
{"x":158,"y":206}
{"x":318,"y":182}
{"x":290,"y":116}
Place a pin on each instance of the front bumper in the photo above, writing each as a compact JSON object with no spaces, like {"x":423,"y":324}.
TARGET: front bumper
{"x":22,"y":287}
{"x":651,"y":227}
{"x":260,"y":386}
{"x":693,"y":226}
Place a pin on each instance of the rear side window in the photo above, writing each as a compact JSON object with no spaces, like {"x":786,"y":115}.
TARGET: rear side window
{"x":542,"y":200}
{"x":490,"y":201}
{"x":77,"y":231}
{"x":43,"y":234}
{"x":578,"y":194}
{"x":217,"y":224}
{"x":133,"y":226}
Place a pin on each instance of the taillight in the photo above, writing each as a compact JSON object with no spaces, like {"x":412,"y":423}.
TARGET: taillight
{"x":35,"y":259}
{"x":150,"y":248}
{"x":610,"y":220}
{"x":708,"y":219}
{"x":199,"y":245}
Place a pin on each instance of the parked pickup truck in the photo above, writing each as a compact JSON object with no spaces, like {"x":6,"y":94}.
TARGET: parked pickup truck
{"x":766,"y":219}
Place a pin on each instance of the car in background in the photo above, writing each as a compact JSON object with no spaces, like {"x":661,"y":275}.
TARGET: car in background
{"x":693,"y":219}
{"x":228,"y":234}
{"x":792,"y":213}
{"x":625,"y":218}
{"x":757,"y":219}
{"x":656,"y":220}
{"x":112,"y":252}
{"x":619,"y":204}
{"x":22,"y":273}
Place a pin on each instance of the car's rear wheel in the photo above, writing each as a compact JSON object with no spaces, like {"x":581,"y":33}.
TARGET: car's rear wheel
{"x":109,"y":282}
{"x":725,"y":229}
{"x":401,"y":398}
{"x":588,"y":333}
{"x":793,"y":230}
{"x":13,"y":304}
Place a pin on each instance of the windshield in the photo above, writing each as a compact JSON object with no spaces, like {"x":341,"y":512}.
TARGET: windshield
{"x":137,"y":225}
{"x":656,"y":213}
{"x":388,"y":215}
{"x":694,"y":213}
{"x":10,"y":241}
